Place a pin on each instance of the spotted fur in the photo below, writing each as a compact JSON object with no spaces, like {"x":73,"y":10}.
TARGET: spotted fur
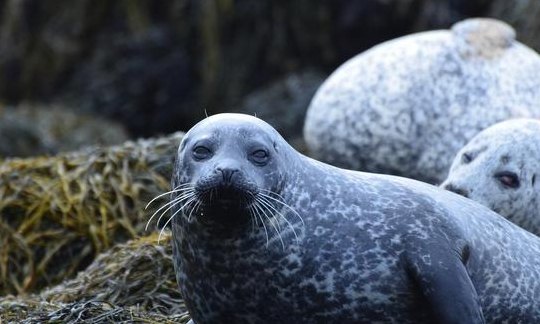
{"x":372,"y":248}
{"x":406,"y":107}
{"x":511,"y":149}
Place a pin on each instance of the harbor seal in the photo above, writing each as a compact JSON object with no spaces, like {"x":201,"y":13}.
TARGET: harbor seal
{"x":264,"y":234}
{"x":499,"y":168}
{"x":413,"y":102}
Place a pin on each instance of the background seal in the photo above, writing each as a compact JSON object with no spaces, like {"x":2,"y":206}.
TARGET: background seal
{"x":500,"y":168}
{"x":406,"y":106}
{"x":339,"y":246}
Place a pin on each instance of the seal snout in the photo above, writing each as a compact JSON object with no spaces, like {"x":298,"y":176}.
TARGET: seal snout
{"x":227,"y":174}
{"x":226,"y":187}
{"x":455,"y":189}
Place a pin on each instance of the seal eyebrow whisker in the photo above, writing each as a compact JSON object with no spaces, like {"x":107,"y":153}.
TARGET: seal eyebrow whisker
{"x":263,"y":198}
{"x":173,"y":215}
{"x":177,"y":189}
{"x":171,"y":204}
{"x":177,"y":201}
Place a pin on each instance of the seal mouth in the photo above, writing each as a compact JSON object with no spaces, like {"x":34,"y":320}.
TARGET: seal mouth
{"x":226,"y":197}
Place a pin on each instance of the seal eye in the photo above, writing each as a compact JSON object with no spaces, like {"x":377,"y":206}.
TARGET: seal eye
{"x":201,"y":152}
{"x":466,"y":158}
{"x":259,"y":157}
{"x":508,"y":179}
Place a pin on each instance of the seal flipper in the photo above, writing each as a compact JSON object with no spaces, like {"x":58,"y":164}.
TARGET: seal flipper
{"x":441,"y":275}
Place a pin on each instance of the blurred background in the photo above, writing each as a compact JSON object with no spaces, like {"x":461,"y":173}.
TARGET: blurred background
{"x":98,"y":71}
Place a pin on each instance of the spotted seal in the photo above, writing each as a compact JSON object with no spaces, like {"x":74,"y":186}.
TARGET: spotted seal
{"x":264,"y":234}
{"x":499,"y":168}
{"x":413,"y":102}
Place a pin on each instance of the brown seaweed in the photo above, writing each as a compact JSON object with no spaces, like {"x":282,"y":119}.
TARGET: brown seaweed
{"x":58,"y":213}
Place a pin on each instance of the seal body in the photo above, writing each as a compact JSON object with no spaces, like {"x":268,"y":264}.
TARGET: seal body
{"x":336,"y":245}
{"x":500,"y":168}
{"x":406,"y":106}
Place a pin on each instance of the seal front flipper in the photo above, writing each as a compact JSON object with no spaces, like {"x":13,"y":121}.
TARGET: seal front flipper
{"x":440,"y":274}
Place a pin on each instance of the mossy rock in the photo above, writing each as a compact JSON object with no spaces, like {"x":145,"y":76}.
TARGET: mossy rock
{"x":32,"y":130}
{"x":58,"y":212}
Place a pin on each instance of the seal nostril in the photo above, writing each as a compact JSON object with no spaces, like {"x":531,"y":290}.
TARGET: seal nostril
{"x":227,"y":174}
{"x":459,"y":191}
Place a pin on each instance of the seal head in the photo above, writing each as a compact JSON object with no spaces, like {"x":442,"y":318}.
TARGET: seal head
{"x":500,"y":168}
{"x":224,"y":164}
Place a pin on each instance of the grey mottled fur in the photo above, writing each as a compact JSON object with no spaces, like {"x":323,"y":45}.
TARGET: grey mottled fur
{"x":406,"y":107}
{"x":510,"y":146}
{"x":372,"y":248}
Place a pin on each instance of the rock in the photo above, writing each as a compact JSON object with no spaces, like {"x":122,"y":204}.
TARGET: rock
{"x":31,"y":130}
{"x":523,"y":15}
{"x":283,"y":104}
{"x":156,"y":66}
{"x":407,"y":106}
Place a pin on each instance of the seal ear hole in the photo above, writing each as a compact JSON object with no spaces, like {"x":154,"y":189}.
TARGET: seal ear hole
{"x":275,"y":146}
{"x":467,"y":158}
{"x":465,"y":254}
{"x":508,"y":179}
{"x":533,"y":179}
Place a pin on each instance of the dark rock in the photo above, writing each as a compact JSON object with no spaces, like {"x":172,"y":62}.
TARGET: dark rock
{"x":283,"y":104}
{"x":156,"y":66}
{"x":30,"y":130}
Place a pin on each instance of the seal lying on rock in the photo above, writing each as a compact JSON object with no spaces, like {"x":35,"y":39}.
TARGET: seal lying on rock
{"x":263,"y":234}
{"x":405,"y":107}
{"x":500,"y":168}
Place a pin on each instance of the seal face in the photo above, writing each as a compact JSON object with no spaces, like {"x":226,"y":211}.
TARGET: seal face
{"x":413,"y":102}
{"x":312,"y":243}
{"x":499,"y":168}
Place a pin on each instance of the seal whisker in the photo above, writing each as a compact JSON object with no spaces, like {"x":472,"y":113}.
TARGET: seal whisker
{"x":252,"y":218}
{"x":257,"y":208}
{"x":171,"y":204}
{"x":291,"y":226}
{"x":173,"y":215}
{"x":267,"y":206}
{"x":272,"y":221}
{"x":285,"y":205}
{"x":189,"y":209}
{"x":196,"y":207}
{"x":179,"y":188}
{"x":177,"y":201}
{"x":272,"y":193}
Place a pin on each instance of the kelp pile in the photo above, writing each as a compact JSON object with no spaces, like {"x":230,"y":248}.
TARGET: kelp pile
{"x":58,"y":212}
{"x":132,"y":282}
{"x":138,"y":273}
{"x":27,"y":311}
